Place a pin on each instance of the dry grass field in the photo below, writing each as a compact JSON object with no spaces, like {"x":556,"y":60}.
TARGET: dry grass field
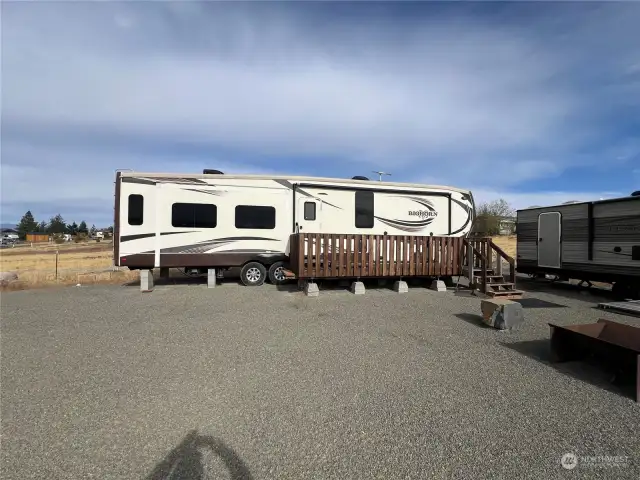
{"x":66,"y":264}
{"x":90,"y":263}
{"x":506,"y":243}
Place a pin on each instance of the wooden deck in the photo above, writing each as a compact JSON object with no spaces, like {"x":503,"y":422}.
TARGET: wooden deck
{"x":316,"y":255}
{"x":321,"y":255}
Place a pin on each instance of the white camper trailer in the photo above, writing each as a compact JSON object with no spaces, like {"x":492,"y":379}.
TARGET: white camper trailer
{"x":591,"y":241}
{"x":213,"y":220}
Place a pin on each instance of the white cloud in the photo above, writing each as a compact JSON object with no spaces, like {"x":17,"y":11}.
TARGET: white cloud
{"x":519,"y":200}
{"x":49,"y":180}
{"x":457,"y":100}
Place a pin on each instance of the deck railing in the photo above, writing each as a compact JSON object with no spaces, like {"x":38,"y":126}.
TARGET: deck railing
{"x":317,"y":255}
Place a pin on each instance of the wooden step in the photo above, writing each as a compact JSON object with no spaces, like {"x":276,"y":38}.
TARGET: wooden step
{"x":490,"y":278}
{"x":506,"y":285}
{"x":508,"y":294}
{"x":476,"y":271}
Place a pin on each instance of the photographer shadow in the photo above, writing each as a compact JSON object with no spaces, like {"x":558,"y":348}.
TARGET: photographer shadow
{"x":186,"y":461}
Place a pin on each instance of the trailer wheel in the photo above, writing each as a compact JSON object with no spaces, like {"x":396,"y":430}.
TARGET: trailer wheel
{"x":253,"y":274}
{"x":276,"y":273}
{"x":618,"y":289}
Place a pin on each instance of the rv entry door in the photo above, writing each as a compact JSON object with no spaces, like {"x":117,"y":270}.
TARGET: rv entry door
{"x":308,"y":214}
{"x":549,"y":228}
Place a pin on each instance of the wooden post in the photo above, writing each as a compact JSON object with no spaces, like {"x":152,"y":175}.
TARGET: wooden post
{"x":471,"y":260}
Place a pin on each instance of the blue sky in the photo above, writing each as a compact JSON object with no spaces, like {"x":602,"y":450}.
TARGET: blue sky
{"x":536,"y":103}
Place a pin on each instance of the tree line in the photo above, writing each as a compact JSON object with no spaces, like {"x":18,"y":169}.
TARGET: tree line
{"x":55,"y":225}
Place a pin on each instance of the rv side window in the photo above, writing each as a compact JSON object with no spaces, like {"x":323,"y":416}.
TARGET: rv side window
{"x":364,"y":209}
{"x":194,"y":215}
{"x":309,"y":210}
{"x":256,"y":217}
{"x":136,"y":209}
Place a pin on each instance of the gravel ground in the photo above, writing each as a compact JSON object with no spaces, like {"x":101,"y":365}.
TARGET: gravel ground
{"x":236,"y":382}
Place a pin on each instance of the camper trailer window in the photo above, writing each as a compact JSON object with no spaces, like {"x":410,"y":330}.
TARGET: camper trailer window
{"x":194,"y":215}
{"x":136,"y":209}
{"x":309,"y":210}
{"x":364,"y":209}
{"x":255,"y":217}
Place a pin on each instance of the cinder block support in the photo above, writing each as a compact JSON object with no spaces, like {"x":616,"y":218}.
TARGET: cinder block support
{"x":501,"y":313}
{"x":438,"y":286}
{"x":311,"y":289}
{"x":401,"y":286}
{"x":357,"y":288}
{"x":146,"y":280}
{"x":211,"y":278}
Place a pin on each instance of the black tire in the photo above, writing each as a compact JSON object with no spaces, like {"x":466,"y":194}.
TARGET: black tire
{"x":276,"y":277}
{"x":448,"y":281}
{"x":253,"y":274}
{"x":620,"y":290}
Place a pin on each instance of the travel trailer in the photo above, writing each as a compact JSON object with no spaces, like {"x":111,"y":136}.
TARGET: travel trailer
{"x":590,"y":241}
{"x":213,"y":220}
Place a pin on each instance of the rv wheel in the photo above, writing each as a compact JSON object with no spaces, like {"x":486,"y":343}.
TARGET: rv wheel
{"x":276,"y":273}
{"x":253,"y":274}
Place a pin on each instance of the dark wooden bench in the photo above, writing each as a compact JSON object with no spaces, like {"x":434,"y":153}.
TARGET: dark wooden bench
{"x":613,"y":344}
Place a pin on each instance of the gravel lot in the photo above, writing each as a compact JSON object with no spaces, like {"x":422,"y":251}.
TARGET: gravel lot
{"x":237,"y":382}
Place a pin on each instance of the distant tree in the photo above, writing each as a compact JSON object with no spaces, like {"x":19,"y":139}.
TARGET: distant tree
{"x":110,"y":229}
{"x":27,"y":224}
{"x":57,"y":225}
{"x":42,"y":227}
{"x":73,"y":228}
{"x":496,"y":208}
{"x":82,"y":228}
{"x":489,"y":215}
{"x":93,"y":230}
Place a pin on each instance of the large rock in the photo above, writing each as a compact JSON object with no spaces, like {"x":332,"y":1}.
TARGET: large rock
{"x":502,"y":314}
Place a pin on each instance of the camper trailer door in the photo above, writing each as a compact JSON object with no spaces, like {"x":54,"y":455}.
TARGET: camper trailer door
{"x":308,"y":211}
{"x":549,"y":229}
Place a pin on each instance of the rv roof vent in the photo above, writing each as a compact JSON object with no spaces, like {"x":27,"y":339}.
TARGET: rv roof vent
{"x":359,"y":177}
{"x":212,"y":172}
{"x":570,"y":202}
{"x":636,"y":193}
{"x":535,"y":206}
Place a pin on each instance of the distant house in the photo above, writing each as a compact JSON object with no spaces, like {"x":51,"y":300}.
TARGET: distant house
{"x":508,"y":225}
{"x":37,"y":237}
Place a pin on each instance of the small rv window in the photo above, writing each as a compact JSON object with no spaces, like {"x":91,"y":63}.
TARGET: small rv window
{"x":309,"y":210}
{"x":194,"y":215}
{"x":254,"y":216}
{"x":136,"y":209}
{"x":364,"y":209}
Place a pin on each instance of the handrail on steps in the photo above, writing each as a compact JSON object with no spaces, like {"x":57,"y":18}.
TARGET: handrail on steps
{"x":484,"y":256}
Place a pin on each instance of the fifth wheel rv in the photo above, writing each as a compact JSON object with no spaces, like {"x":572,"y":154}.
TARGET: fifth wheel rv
{"x":213,"y":220}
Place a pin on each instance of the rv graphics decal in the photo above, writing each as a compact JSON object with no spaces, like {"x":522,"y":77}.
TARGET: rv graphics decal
{"x":290,"y":186}
{"x":427,"y":215}
{"x":468,"y":209}
{"x":206,"y":245}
